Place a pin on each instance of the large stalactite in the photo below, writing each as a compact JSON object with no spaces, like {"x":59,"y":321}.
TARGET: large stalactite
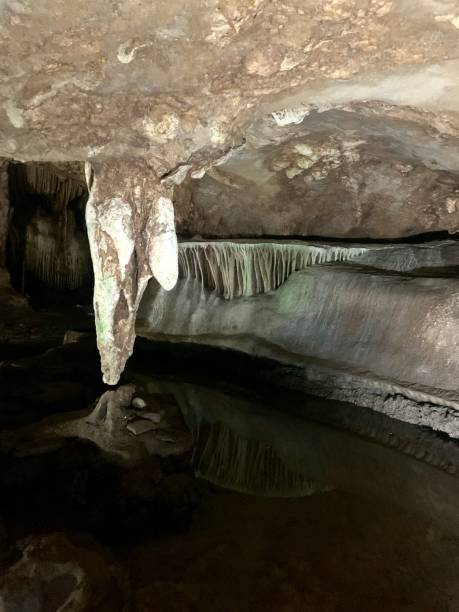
{"x":130,"y":220}
{"x":4,"y":213}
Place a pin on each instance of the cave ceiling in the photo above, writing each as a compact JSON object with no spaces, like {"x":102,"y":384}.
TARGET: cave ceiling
{"x":333,"y":118}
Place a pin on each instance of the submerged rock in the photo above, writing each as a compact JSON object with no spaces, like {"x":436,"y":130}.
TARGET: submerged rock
{"x":141,"y":426}
{"x":59,"y":572}
{"x":110,"y":410}
{"x":153,"y":416}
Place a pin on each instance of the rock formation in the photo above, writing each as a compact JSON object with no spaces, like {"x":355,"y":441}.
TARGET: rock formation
{"x":384,"y":338}
{"x":47,"y":239}
{"x":245,"y":215}
{"x":243,"y":118}
{"x":130,"y":219}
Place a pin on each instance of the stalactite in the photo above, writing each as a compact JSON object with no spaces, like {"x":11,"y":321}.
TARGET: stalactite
{"x":39,"y":179}
{"x":130,"y":222}
{"x":4,"y":214}
{"x":235,"y":269}
{"x":248,"y":465}
{"x":63,"y":266}
{"x":46,"y":242}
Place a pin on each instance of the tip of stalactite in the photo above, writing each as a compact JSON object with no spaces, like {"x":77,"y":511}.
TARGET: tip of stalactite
{"x":164,"y":260}
{"x":110,"y":379}
{"x":163,"y":253}
{"x":112,"y":366}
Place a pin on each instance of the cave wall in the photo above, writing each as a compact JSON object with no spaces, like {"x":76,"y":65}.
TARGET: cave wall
{"x":357,"y":172}
{"x":358,"y":331}
{"x":401,"y":329}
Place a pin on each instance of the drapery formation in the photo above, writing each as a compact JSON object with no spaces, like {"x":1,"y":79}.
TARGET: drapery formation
{"x":236,"y":269}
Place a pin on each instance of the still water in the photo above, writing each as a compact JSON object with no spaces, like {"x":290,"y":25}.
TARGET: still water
{"x":283,"y":502}
{"x":315,"y":505}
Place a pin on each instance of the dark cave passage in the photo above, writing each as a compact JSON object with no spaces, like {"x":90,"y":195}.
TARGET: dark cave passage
{"x":48,"y":254}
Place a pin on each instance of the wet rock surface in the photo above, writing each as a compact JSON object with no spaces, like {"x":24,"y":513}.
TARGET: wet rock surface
{"x":379,"y":330}
{"x":88,"y":471}
{"x":63,"y":572}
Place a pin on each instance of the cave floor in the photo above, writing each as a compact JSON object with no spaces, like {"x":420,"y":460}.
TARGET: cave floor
{"x":376,"y":531}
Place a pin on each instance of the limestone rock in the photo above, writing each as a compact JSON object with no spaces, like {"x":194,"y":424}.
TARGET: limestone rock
{"x":56,"y":574}
{"x":139,"y":403}
{"x":154,"y":417}
{"x":130,"y":221}
{"x":141,"y":426}
{"x":71,"y":336}
{"x":110,"y":410}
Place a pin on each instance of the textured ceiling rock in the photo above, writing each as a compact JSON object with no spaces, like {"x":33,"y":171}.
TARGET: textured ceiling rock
{"x":173,"y":79}
{"x":185,"y":84}
{"x":357,"y":172}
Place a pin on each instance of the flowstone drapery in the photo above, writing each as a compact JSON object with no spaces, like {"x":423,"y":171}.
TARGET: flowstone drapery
{"x":130,"y":220}
{"x":234,"y":269}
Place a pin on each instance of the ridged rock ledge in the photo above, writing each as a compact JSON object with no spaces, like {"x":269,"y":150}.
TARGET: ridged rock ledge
{"x":363,"y":325}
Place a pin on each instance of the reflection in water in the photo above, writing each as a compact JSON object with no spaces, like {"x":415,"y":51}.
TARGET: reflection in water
{"x":255,"y":447}
{"x":350,"y":511}
{"x":243,"y":464}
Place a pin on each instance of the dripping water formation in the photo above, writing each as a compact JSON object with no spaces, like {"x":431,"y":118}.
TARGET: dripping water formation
{"x":229,"y":306}
{"x":47,"y":242}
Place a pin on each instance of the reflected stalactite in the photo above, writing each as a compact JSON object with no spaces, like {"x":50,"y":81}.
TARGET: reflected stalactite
{"x":247,"y":465}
